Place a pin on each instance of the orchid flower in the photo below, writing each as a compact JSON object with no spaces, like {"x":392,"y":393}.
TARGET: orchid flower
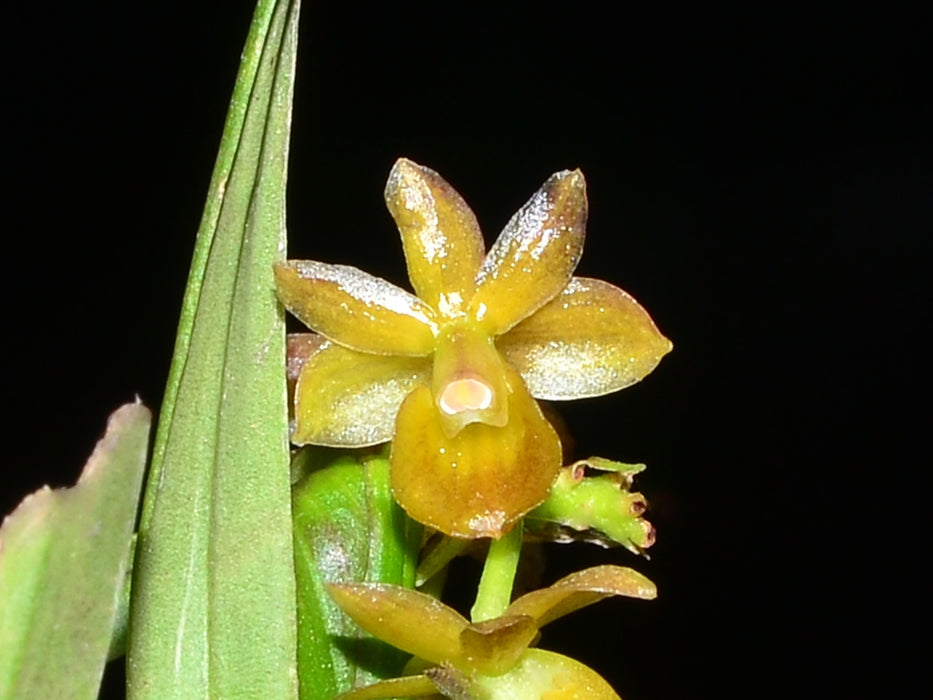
{"x":449,"y":375}
{"x":491,"y":659}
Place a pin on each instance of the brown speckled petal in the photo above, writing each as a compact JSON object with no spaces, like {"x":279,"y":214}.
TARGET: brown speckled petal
{"x":535,"y":255}
{"x":443,"y":244}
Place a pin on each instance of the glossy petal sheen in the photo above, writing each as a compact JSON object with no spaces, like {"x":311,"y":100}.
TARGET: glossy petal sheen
{"x":412,"y":621}
{"x":478,"y":483}
{"x":590,"y":340}
{"x":581,"y":589}
{"x":494,"y":646}
{"x":346,"y":398}
{"x":355,"y":309}
{"x":535,"y":255}
{"x":544,"y":675}
{"x":443,"y":244}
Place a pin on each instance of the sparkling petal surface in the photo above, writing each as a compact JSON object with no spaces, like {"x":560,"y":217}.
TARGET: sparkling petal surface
{"x":412,"y":621}
{"x":355,"y":309}
{"x":581,"y":589}
{"x":544,"y":675}
{"x":443,"y":244}
{"x":479,"y":482}
{"x":346,"y":398}
{"x":590,"y":340}
{"x":535,"y":255}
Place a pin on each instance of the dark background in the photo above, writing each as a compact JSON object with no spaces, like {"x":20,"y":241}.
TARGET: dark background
{"x":760,"y":182}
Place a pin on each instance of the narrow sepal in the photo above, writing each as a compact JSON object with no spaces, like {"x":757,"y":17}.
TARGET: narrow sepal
{"x":581,"y":589}
{"x":356,"y":309}
{"x":412,"y":621}
{"x":442,"y":241}
{"x":534,"y":256}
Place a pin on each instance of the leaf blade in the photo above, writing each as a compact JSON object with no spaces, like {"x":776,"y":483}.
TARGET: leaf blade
{"x":213,"y":612}
{"x":64,"y":556}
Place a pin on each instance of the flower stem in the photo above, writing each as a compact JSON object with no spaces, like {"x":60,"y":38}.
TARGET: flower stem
{"x":495,"y":586}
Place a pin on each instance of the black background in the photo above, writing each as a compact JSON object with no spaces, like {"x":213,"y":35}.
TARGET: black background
{"x":759,"y":181}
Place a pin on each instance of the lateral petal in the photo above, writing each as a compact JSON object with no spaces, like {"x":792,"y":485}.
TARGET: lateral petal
{"x":480,"y":481}
{"x":356,"y":309}
{"x":443,"y":244}
{"x":412,"y":621}
{"x":494,"y":646}
{"x":580,"y":589}
{"x":419,"y":686}
{"x":535,"y":255}
{"x":346,"y":398}
{"x":591,"y":339}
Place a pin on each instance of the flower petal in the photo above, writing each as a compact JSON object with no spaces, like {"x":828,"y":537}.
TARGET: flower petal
{"x":544,"y":675}
{"x":443,"y":244}
{"x":479,"y":482}
{"x":355,"y":309}
{"x":414,"y":622}
{"x":590,"y":340}
{"x":494,"y":646}
{"x":346,"y":398}
{"x":535,"y":254}
{"x":581,"y":589}
{"x":405,"y":687}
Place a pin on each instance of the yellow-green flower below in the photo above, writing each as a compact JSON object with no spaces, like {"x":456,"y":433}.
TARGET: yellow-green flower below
{"x":491,"y":659}
{"x":449,"y":375}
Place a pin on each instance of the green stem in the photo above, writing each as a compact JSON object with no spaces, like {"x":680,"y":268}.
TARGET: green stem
{"x":495,"y":586}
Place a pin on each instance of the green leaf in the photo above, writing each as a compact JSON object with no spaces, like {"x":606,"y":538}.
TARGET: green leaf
{"x":213,"y":607}
{"x":63,"y":562}
{"x":348,"y":529}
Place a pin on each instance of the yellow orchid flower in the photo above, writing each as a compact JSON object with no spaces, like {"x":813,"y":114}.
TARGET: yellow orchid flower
{"x":490,"y":659}
{"x":449,"y":375}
